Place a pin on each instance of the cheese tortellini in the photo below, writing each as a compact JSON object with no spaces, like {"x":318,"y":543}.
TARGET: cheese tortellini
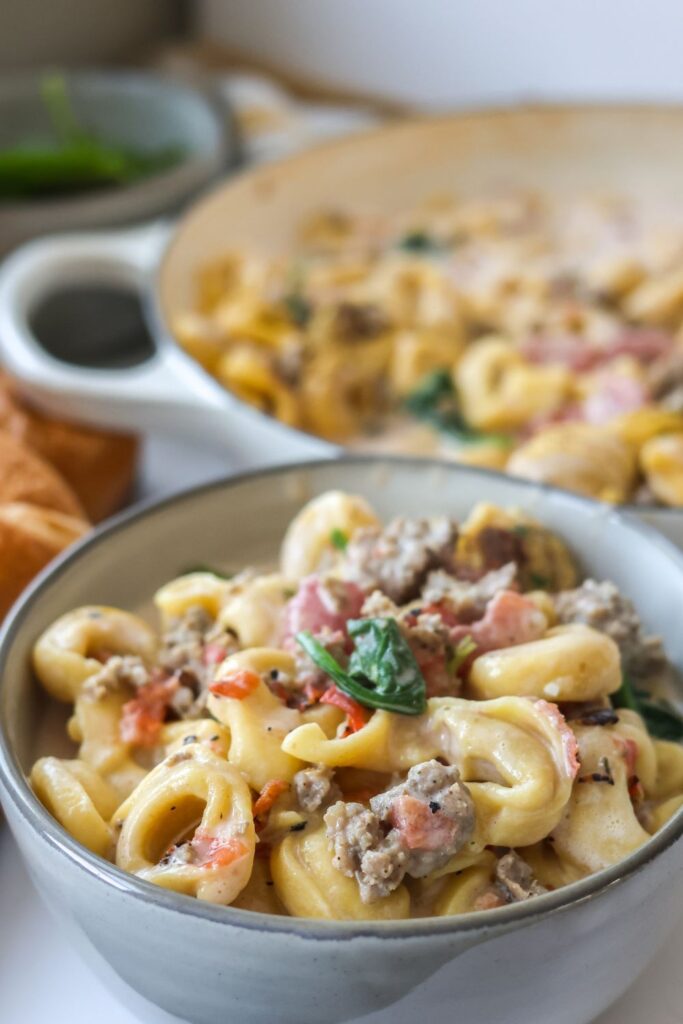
{"x":522,"y":332}
{"x":419,"y":719}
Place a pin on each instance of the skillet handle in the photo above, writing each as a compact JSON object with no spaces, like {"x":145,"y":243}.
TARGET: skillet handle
{"x":169,"y":393}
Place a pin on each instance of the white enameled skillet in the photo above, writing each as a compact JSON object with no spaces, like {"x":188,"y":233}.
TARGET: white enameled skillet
{"x":561,"y":150}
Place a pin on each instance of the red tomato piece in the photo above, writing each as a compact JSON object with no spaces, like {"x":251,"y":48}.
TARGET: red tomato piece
{"x":419,"y":827}
{"x":142,"y":717}
{"x":356,"y":714}
{"x":268,"y":795}
{"x":237,"y":684}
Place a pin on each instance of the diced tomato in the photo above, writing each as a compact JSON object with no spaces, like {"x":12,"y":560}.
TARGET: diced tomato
{"x":142,"y":717}
{"x":214,"y":654}
{"x":268,"y":795}
{"x":356,"y":714}
{"x":216,"y":851}
{"x":418,"y":826}
{"x":237,"y":684}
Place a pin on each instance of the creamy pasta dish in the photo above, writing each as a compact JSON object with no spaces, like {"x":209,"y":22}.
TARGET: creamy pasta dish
{"x":515,"y":333}
{"x":415,"y":719}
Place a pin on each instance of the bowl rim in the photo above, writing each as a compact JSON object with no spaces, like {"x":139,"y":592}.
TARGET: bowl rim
{"x":160,"y":324}
{"x":194,"y":170}
{"x":15,"y":786}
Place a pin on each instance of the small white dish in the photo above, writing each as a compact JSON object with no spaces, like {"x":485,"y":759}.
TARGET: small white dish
{"x":145,"y":112}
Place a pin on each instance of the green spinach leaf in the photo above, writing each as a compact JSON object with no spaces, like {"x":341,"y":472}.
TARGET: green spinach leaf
{"x":435,"y":401}
{"x":382,"y":670}
{"x":418,"y":242}
{"x":662,"y":719}
{"x":339,"y":539}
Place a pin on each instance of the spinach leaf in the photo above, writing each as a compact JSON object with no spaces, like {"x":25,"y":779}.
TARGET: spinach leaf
{"x":419,"y":242}
{"x":661,"y":718}
{"x":625,"y":697}
{"x":382,"y":670}
{"x":299,"y":309}
{"x":76,"y":159}
{"x":435,"y":401}
{"x":339,"y":539}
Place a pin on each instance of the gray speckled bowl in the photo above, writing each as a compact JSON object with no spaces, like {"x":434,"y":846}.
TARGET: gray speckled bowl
{"x":136,"y":109}
{"x":562,"y":957}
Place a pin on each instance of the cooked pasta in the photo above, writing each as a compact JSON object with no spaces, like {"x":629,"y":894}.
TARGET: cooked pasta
{"x":419,"y":719}
{"x":513,"y":332}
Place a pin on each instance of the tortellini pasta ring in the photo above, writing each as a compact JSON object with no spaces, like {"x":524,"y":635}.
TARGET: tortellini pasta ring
{"x":308,"y":545}
{"x":78,"y":798}
{"x":517,"y":757}
{"x":195,"y":589}
{"x":200,"y":804}
{"x":599,"y":826}
{"x":309,"y":885}
{"x":570,"y":663}
{"x":253,"y":611}
{"x":258,"y":722}
{"x":499,"y":390}
{"x":460,"y":892}
{"x":95,"y":725}
{"x":581,"y":457}
{"x":63,"y":656}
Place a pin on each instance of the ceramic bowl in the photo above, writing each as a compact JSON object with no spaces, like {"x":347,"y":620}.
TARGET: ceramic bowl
{"x":629,"y":150}
{"x":562,"y":957}
{"x":142,"y":111}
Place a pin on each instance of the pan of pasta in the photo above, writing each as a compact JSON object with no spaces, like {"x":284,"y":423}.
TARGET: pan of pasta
{"x":267,"y":740}
{"x":502,"y":289}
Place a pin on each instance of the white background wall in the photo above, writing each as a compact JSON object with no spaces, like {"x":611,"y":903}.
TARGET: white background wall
{"x":441,"y":52}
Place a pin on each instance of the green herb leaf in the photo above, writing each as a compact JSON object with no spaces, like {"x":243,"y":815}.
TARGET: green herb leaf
{"x":465,"y":647}
{"x":663,"y":720}
{"x":435,"y":401}
{"x":339,"y":539}
{"x":77,"y":160}
{"x":298,"y":308}
{"x":382,"y":671}
{"x":625,"y":697}
{"x":418,"y":241}
{"x":431,"y":390}
{"x":202,"y":567}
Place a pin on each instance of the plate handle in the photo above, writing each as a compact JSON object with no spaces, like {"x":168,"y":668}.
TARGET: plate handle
{"x":169,"y":393}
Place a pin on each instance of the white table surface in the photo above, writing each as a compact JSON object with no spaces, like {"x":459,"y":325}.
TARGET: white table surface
{"x":44,"y":981}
